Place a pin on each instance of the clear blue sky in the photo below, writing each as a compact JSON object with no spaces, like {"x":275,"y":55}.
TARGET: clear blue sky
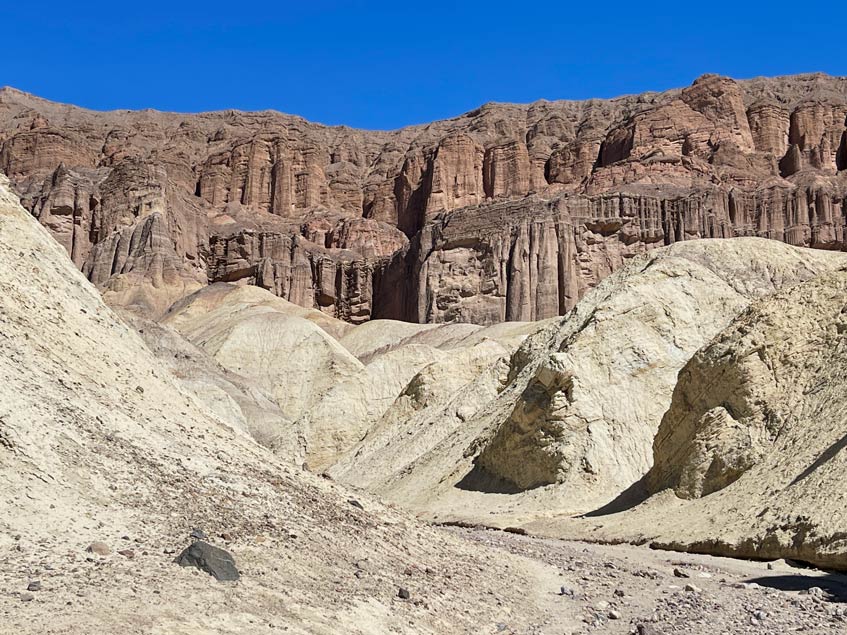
{"x":388,"y":64}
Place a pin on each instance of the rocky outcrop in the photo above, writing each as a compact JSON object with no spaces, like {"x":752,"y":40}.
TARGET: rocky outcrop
{"x":338,"y":279}
{"x":506,"y":213}
{"x":585,"y":410}
{"x":535,"y":258}
{"x":754,"y":434}
{"x":769,"y":124}
{"x":566,"y":424}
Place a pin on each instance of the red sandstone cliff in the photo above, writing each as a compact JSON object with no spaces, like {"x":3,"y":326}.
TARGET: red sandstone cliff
{"x":509,"y":212}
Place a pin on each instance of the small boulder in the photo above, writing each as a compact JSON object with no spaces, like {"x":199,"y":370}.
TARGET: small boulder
{"x":748,"y":586}
{"x":217,"y":562}
{"x":35,"y":585}
{"x":403,"y":593}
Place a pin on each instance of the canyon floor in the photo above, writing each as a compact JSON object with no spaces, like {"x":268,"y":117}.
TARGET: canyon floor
{"x":578,"y":588}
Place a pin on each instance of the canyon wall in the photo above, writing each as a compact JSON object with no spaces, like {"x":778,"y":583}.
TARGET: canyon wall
{"x":509,"y":212}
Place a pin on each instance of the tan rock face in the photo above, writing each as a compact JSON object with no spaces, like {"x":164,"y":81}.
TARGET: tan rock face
{"x":754,"y":433}
{"x":506,"y":213}
{"x":566,"y":423}
{"x":583,"y":413}
{"x":507,"y":170}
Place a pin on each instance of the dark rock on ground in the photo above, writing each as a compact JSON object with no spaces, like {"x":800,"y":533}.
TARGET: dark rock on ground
{"x":217,"y":562}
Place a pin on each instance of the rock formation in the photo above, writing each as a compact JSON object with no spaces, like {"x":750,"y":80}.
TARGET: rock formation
{"x":508,"y":212}
{"x":307,"y":385}
{"x":749,"y":456}
{"x":567,"y":422}
{"x":584,"y":408}
{"x":100,"y":445}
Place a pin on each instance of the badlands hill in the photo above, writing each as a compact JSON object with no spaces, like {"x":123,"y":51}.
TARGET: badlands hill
{"x":99,"y":442}
{"x":568,"y":423}
{"x":509,"y":212}
{"x":749,"y":459}
{"x":607,"y":412}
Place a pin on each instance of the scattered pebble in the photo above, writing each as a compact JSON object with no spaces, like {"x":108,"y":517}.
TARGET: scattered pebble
{"x":100,"y":548}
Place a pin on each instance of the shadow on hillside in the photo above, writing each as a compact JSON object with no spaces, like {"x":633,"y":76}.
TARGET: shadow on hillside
{"x":833,"y":585}
{"x":825,"y":457}
{"x":481,"y":480}
{"x":632,"y":496}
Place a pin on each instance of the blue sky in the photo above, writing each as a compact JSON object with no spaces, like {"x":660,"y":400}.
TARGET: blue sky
{"x":384,"y":65}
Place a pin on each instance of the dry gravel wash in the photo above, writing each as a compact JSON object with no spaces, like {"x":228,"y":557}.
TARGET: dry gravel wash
{"x":627,"y":589}
{"x":592,"y":589}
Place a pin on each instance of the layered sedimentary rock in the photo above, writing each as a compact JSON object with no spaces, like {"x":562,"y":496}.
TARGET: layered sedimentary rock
{"x":508,"y":212}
